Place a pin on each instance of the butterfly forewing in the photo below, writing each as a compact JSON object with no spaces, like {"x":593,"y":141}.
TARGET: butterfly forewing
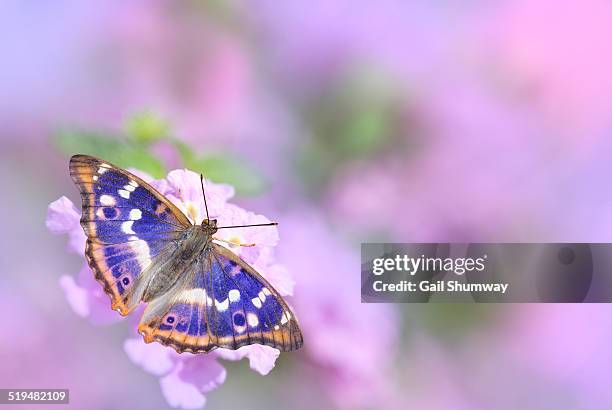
{"x":128,"y":226}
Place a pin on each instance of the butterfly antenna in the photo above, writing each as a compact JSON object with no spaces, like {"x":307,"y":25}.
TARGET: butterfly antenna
{"x":246,"y":226}
{"x":204,"y":195}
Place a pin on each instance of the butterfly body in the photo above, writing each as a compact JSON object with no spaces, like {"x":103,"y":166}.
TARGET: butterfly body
{"x":169,"y":268}
{"x":199,"y":295}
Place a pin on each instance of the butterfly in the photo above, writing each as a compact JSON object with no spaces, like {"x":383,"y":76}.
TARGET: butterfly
{"x":199,"y":294}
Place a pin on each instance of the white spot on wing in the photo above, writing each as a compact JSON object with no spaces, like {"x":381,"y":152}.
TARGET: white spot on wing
{"x":256,"y":302}
{"x":234,"y":295}
{"x":107,"y":200}
{"x":141,"y":249}
{"x":126,"y":227}
{"x":95,"y":178}
{"x":262,"y":295}
{"x":102,"y":170}
{"x":129,"y":188}
{"x":135,"y":214}
{"x":222,"y":306}
{"x":252,"y":319}
{"x":266,"y":291}
{"x":193,"y":296}
{"x":124,"y":194}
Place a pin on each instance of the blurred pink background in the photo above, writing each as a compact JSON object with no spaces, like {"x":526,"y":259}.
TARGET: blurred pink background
{"x":399,"y":121}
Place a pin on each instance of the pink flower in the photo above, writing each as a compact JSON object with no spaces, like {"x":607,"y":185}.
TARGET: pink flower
{"x":184,"y":386}
{"x":63,"y":217}
{"x":185,"y":191}
{"x":184,"y":378}
{"x":86,"y":297}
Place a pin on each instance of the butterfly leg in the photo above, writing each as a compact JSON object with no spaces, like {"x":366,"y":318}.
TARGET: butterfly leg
{"x":235,"y":242}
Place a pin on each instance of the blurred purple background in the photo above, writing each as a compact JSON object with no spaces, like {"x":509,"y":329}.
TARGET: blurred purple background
{"x":400,"y":121}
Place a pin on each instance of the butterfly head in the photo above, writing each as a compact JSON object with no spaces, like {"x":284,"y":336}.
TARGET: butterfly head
{"x":209,"y":226}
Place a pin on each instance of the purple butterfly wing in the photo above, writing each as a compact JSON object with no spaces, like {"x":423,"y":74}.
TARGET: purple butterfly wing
{"x":222,"y":302}
{"x":128,"y":225}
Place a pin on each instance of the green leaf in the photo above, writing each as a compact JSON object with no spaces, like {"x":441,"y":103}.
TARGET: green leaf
{"x":137,"y":157}
{"x":223,"y":168}
{"x":187,"y":155}
{"x":452,"y":320}
{"x":315,"y":162}
{"x":230,"y":170}
{"x":147,"y":127}
{"x":76,"y":142}
{"x":366,"y":133}
{"x":122,"y":153}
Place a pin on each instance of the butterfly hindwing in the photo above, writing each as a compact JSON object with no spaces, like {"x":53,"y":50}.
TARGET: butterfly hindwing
{"x":128,"y":225}
{"x":179,"y":318}
{"x":222,"y":302}
{"x":250,"y":309}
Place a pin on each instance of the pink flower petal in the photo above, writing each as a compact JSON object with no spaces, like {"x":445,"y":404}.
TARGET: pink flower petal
{"x":261,"y":358}
{"x":86,"y":298}
{"x":76,"y":240}
{"x":98,"y":302}
{"x":279,"y":277}
{"x":234,"y":215}
{"x":260,"y":257}
{"x":264,"y":237}
{"x":181,"y":394}
{"x":152,"y":357}
{"x":185,"y":386}
{"x":233,"y":355}
{"x":159,"y":184}
{"x":63,"y":217}
{"x":203,"y":371}
{"x":75,"y":295}
{"x":185,"y":185}
{"x":185,"y":191}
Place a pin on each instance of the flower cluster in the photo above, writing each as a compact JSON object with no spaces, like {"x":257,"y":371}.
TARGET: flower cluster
{"x":184,"y":378}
